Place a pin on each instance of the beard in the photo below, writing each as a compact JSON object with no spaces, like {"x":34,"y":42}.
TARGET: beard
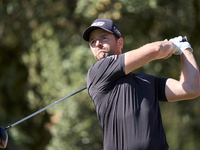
{"x":104,"y":52}
{"x":102,"y":55}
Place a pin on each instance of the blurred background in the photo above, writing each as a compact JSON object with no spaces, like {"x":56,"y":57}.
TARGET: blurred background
{"x":44,"y":58}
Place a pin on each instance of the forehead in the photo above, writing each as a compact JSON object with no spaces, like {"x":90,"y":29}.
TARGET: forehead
{"x":97,"y":33}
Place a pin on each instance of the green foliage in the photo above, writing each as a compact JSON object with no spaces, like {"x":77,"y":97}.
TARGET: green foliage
{"x":44,"y":58}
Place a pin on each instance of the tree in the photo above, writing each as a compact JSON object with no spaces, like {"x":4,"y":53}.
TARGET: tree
{"x":44,"y":58}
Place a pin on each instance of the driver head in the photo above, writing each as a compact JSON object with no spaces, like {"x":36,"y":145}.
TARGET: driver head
{"x":3,"y":137}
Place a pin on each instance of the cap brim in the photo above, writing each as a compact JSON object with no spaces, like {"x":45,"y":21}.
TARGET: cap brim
{"x":86,"y":34}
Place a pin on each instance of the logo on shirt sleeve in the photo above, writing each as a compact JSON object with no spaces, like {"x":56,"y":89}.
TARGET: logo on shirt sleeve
{"x":113,"y":57}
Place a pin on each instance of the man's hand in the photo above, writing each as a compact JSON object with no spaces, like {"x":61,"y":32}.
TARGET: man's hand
{"x":181,"y":44}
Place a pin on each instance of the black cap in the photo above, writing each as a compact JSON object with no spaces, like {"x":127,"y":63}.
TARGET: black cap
{"x":105,"y":24}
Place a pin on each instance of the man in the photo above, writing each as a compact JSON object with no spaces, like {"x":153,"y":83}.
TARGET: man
{"x":127,"y":104}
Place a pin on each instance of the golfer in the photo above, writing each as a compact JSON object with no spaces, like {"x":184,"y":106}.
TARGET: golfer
{"x":127,"y":104}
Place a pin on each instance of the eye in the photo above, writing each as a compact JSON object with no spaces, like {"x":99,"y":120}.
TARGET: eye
{"x":104,"y":38}
{"x":92,"y":43}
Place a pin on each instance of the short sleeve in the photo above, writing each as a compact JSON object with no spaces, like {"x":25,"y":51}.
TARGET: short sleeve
{"x":105,"y":72}
{"x":161,"y":82}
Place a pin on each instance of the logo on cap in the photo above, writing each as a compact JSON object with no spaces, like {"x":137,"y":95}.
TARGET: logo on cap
{"x":117,"y":32}
{"x":98,"y":24}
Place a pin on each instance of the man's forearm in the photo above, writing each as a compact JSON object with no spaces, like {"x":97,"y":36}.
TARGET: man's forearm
{"x":157,"y":50}
{"x":190,"y":74}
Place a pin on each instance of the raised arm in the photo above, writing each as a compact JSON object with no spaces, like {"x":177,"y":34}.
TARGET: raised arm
{"x":188,"y":86}
{"x":137,"y":58}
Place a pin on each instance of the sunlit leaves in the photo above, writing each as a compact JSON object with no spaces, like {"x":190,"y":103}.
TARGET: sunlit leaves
{"x":44,"y":58}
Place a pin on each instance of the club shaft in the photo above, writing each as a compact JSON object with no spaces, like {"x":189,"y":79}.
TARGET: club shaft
{"x":39,"y":111}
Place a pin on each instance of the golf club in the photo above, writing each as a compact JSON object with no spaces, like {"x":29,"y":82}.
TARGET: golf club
{"x":3,"y":132}
{"x":184,"y":39}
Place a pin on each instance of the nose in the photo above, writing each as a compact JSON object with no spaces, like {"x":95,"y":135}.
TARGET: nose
{"x":98,"y":43}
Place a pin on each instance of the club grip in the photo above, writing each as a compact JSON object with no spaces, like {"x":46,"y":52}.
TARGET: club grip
{"x":184,"y":39}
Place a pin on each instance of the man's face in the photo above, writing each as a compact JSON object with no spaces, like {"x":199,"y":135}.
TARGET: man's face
{"x":103,"y":44}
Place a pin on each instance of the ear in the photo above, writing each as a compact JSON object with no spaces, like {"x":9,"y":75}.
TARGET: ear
{"x":120,"y":43}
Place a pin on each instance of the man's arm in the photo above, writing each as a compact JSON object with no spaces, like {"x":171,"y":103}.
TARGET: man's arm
{"x":137,"y":58}
{"x":188,"y":86}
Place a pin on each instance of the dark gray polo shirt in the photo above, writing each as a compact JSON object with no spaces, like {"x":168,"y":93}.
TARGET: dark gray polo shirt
{"x":127,"y":106}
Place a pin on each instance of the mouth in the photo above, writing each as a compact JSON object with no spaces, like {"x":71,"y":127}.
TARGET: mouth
{"x":101,"y":51}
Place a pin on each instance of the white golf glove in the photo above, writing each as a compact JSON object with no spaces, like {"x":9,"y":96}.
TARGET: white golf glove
{"x":180,"y":45}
